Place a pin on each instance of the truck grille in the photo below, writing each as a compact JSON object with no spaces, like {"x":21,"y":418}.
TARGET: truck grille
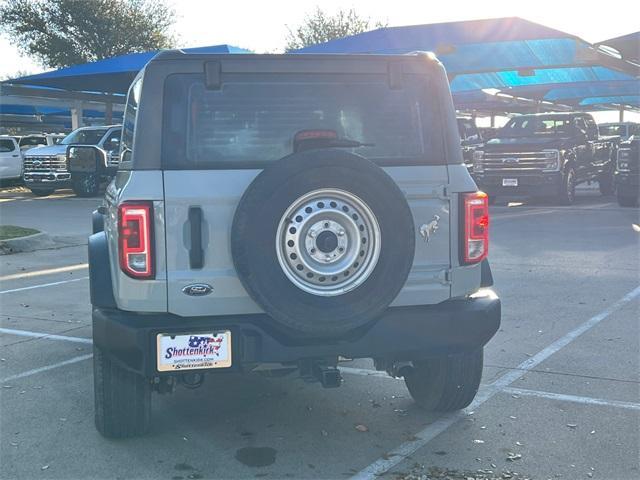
{"x":44,"y":164}
{"x":512,"y":161}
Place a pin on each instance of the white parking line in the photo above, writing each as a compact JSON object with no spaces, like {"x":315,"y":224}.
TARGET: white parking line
{"x":42,"y":285}
{"x":48,"y":336}
{"x":393,"y":458}
{"x":28,"y":373}
{"x":572,"y":398}
{"x":48,"y":271}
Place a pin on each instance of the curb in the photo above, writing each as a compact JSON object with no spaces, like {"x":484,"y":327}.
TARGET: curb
{"x":30,"y":243}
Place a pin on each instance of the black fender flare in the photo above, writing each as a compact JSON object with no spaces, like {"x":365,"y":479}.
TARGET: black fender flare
{"x":97,"y":221}
{"x":100,"y":285}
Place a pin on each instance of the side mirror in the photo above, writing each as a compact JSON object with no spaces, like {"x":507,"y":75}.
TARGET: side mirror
{"x":85,"y":159}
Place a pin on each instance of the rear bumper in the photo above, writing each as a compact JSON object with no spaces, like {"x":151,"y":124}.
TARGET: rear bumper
{"x":529,"y":185}
{"x":628,"y":183}
{"x":402,"y":333}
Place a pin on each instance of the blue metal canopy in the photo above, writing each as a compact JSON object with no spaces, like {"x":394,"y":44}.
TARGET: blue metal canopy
{"x":512,"y":55}
{"x":113,"y":75}
{"x":631,"y":100}
{"x":474,"y":46}
{"x":627,"y":45}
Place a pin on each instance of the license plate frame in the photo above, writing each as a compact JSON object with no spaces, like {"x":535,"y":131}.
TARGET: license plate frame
{"x":509,"y":182}
{"x":193,"y":351}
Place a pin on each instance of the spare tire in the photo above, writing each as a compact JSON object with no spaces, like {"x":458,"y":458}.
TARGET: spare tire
{"x":323,"y":241}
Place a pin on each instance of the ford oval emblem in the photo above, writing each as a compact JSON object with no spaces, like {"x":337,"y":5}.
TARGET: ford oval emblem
{"x":197,"y":290}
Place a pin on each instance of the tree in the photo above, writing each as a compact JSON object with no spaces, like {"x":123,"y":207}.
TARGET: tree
{"x":60,"y":33}
{"x":320,"y":27}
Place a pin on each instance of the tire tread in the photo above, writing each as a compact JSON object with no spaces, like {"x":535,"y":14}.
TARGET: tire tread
{"x":122,"y":399}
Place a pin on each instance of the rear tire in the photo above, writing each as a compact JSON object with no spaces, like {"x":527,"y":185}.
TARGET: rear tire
{"x":122,"y":399}
{"x":447,"y":383}
{"x":86,"y":185}
{"x":627,"y":200}
{"x":568,"y":190}
{"x":44,"y":192}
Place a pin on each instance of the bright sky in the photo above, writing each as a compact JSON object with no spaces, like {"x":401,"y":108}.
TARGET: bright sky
{"x":261,"y":25}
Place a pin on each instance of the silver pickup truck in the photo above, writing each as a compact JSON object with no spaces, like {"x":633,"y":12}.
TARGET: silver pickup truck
{"x":45,"y":168}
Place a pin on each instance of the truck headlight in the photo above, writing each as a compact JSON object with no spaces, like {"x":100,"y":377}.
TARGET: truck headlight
{"x":477,"y":161}
{"x":624,"y":157}
{"x":552,"y":160}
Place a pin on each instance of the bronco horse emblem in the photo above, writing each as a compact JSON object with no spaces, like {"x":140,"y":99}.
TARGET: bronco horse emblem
{"x":428,"y":229}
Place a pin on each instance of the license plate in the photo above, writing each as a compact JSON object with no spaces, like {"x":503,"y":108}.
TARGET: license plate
{"x":194,"y":351}
{"x":509,"y":182}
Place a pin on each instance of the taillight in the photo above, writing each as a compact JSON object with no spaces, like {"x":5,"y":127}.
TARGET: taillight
{"x":475,"y":234}
{"x":135,"y":239}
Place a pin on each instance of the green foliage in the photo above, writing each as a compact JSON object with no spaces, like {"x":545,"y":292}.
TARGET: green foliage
{"x":60,"y":33}
{"x":320,"y":27}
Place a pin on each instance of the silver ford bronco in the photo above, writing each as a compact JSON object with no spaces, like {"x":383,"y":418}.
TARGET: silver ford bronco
{"x":284,"y":212}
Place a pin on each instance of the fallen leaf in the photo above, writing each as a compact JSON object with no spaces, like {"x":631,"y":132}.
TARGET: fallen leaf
{"x":362,"y":428}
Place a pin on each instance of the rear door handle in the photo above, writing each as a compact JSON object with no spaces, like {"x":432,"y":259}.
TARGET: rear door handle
{"x":196,"y":253}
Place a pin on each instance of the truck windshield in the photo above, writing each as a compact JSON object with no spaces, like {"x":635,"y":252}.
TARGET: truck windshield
{"x":610,"y":130}
{"x":6,"y":145}
{"x":252,"y":122}
{"x":32,"y":141}
{"x":530,"y":126}
{"x":90,"y":136}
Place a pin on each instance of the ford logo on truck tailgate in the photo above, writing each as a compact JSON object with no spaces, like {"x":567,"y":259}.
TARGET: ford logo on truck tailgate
{"x":197,"y":290}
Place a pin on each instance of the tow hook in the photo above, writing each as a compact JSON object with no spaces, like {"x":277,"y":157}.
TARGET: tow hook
{"x":329,"y":377}
{"x":320,"y":370}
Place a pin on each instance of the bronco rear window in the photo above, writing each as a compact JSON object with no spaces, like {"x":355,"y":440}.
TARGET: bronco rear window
{"x":250,"y":122}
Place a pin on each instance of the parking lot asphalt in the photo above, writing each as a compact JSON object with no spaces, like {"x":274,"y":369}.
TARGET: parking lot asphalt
{"x":560,"y":397}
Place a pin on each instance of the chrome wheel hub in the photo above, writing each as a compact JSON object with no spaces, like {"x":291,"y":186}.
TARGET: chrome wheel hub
{"x":328,"y":242}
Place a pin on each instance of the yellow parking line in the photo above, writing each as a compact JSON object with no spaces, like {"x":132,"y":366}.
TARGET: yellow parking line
{"x":48,"y":271}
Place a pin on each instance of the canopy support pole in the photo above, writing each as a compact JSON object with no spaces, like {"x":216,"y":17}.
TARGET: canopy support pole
{"x":76,"y":115}
{"x":108,"y":113}
{"x":621,"y":113}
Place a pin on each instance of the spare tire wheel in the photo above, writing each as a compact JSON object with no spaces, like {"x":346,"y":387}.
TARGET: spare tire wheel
{"x":323,"y":241}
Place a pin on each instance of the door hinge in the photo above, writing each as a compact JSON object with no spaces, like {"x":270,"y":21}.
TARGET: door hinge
{"x":445,"y":276}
